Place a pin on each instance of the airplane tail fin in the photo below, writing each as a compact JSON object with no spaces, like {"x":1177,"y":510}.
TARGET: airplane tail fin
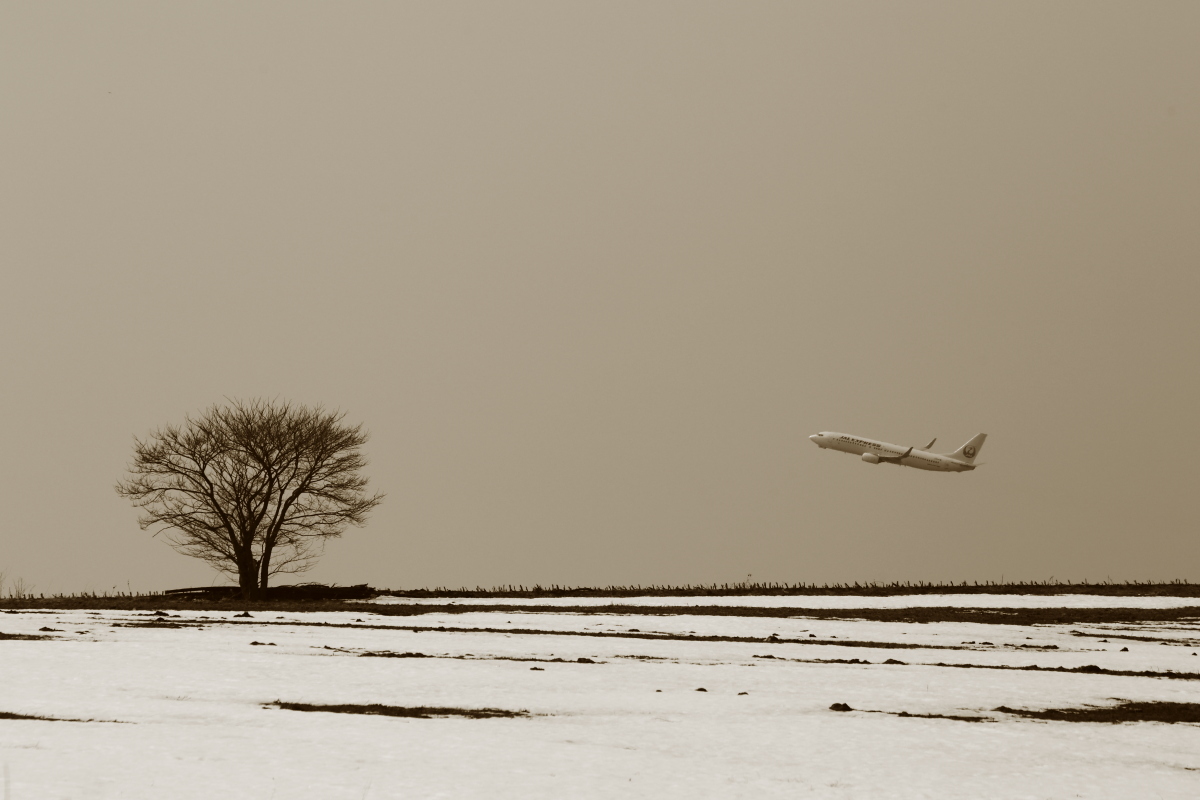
{"x":969,"y":450}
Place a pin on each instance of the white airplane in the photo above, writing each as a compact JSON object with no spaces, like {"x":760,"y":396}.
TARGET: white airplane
{"x":873,"y":452}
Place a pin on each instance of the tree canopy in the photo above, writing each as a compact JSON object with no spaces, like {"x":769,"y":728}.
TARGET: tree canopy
{"x":253,"y":488}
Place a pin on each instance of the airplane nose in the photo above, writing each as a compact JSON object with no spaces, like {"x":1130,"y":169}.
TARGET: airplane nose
{"x":816,"y":439}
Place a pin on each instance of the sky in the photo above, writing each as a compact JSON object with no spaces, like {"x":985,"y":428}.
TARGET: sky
{"x":590,"y":274}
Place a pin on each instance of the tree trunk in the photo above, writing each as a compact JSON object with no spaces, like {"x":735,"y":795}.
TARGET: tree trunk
{"x":248,"y":579}
{"x":264,"y":568}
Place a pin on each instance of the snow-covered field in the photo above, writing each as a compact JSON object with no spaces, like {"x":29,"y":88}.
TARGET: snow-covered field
{"x":184,"y":710}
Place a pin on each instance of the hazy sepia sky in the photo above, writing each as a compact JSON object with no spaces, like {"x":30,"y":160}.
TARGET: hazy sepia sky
{"x":591,"y":272}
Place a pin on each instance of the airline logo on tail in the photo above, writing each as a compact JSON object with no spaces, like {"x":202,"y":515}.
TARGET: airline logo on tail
{"x":969,"y":450}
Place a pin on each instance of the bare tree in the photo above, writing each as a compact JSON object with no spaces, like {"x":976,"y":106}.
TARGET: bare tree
{"x":253,"y":488}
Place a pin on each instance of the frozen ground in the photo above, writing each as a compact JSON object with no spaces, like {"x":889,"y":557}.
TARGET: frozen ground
{"x":186,"y":711}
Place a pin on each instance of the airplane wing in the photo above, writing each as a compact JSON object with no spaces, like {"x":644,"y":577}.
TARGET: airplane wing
{"x":931,"y":441}
{"x":896,"y":459}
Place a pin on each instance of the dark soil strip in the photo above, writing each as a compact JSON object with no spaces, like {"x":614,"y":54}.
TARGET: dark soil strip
{"x":11,"y":715}
{"x":24,"y":637}
{"x":390,"y":654}
{"x":469,"y":657}
{"x":418,"y":712}
{"x":956,"y":717}
{"x":1127,"y":711}
{"x":990,"y":616}
{"x":1088,"y":669}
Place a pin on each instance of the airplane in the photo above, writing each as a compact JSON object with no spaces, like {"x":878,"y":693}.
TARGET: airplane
{"x":874,"y":452}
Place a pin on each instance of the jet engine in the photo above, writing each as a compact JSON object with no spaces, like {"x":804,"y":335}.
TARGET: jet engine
{"x":870,"y":458}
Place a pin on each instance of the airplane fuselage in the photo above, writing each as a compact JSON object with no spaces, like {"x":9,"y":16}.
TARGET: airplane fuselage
{"x":877,"y":452}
